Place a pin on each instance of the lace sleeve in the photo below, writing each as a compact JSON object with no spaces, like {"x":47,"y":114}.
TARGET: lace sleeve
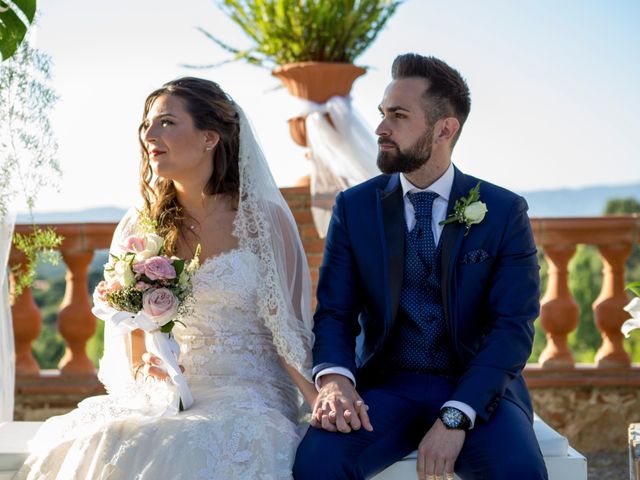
{"x":292,"y":335}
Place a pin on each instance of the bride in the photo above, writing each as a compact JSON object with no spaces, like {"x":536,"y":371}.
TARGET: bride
{"x":246,"y":344}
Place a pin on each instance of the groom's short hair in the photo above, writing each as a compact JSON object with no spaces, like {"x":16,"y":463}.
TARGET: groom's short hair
{"x":447,"y":93}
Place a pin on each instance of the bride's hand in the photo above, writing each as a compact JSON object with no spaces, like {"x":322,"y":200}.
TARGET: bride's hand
{"x":310,"y":396}
{"x":151,"y":367}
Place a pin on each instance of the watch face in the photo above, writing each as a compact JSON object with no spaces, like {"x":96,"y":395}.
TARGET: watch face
{"x":452,"y":417}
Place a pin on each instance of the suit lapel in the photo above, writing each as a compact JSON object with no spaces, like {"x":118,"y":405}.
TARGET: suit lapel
{"x":393,"y":224}
{"x":451,"y":240}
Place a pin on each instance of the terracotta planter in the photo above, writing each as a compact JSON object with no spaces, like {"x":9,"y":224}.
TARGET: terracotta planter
{"x":317,"y":82}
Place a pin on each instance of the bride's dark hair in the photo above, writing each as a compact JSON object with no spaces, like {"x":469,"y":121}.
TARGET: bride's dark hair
{"x":211,"y":109}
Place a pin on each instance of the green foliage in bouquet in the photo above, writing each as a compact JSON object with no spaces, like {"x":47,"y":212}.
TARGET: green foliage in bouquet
{"x":128,"y":299}
{"x":290,"y":31}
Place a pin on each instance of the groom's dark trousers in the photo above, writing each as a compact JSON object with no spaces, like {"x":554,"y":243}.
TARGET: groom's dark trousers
{"x":488,"y":283}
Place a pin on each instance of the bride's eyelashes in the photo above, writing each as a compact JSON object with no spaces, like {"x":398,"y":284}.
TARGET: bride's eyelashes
{"x":163,"y":123}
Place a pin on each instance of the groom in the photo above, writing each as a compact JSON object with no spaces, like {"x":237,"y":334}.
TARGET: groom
{"x":423,"y":329}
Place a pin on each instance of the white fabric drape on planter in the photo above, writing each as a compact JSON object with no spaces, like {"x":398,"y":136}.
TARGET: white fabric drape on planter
{"x":7,"y":347}
{"x":341,"y":155}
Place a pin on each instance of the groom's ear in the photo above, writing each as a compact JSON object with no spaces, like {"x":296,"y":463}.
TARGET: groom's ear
{"x":446,"y":129}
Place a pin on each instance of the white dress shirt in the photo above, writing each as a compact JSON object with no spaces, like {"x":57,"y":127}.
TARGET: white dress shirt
{"x":442,"y":186}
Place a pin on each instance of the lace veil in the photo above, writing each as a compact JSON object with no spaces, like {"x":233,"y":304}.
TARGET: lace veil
{"x":265,"y":226}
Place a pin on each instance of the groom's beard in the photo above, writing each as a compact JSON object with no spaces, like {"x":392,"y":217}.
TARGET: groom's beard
{"x":405,"y":161}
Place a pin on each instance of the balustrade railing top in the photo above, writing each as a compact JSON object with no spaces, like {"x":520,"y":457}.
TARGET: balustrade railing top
{"x":557,"y":238}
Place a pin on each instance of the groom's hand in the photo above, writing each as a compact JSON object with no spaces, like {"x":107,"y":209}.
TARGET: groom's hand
{"x":438,"y":451}
{"x":338,"y":407}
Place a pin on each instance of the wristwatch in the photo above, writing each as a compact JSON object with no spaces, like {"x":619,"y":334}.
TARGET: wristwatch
{"x":454,"y":419}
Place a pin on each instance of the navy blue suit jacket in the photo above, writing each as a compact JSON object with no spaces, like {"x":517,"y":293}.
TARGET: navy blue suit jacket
{"x":490,"y":288}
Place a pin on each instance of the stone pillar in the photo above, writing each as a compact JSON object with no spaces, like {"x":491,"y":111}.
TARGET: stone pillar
{"x":27,"y":321}
{"x":558,"y":310}
{"x":75,"y":320}
{"x":608,"y":310}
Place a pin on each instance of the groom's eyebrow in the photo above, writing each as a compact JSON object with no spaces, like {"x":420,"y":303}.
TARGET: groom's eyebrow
{"x":394,"y":108}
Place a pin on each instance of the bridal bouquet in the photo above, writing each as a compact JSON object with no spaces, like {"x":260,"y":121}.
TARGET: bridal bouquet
{"x":145,"y":289}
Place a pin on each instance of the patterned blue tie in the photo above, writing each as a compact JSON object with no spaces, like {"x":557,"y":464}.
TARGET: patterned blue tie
{"x":422,"y":234}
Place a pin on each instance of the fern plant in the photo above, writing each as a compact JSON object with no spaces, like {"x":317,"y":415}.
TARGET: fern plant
{"x":291,"y":31}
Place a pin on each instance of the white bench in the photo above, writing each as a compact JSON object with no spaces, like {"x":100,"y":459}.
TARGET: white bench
{"x":563,"y":462}
{"x":14,"y":437}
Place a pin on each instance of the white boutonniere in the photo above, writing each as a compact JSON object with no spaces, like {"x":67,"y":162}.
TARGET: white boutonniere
{"x":468,"y":210}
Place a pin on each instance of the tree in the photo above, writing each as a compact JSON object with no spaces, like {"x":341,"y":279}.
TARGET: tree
{"x":622,"y":206}
{"x":627,"y":206}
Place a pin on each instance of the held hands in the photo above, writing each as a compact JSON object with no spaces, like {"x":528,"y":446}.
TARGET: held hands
{"x":438,"y":452}
{"x":338,"y":407}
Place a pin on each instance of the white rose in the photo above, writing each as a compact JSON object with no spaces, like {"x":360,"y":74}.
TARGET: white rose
{"x":184,"y":278}
{"x":475,"y":212}
{"x":123,"y":273}
{"x":634,"y":309}
{"x":152,"y":245}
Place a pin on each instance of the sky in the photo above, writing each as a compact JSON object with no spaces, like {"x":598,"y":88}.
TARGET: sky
{"x":554,"y":86}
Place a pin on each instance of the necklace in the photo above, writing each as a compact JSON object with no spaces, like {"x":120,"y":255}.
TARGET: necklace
{"x":193,"y":226}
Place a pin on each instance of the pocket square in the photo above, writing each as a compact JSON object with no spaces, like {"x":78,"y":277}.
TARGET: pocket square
{"x":474,"y":256}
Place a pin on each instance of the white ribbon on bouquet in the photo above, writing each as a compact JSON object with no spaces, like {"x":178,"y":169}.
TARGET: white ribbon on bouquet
{"x":162,"y":345}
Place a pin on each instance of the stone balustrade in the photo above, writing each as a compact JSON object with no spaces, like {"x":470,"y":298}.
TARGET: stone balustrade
{"x":557,"y":238}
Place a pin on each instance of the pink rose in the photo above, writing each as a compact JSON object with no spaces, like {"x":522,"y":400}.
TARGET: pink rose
{"x":133,"y":244}
{"x":142,"y":286}
{"x":159,"y":268}
{"x":114,"y":286}
{"x":102,"y":290}
{"x":138,"y":267}
{"x":160,"y":304}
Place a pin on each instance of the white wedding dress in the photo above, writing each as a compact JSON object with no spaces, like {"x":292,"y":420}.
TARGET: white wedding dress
{"x":242,"y":425}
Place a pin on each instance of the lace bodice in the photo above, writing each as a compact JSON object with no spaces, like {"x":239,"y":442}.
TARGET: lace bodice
{"x":243,"y":420}
{"x":223,"y":334}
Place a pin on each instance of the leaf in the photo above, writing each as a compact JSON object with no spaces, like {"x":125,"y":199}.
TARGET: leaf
{"x":634,"y":287}
{"x":178,"y":265}
{"x":12,"y":28}
{"x":167,"y":327}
